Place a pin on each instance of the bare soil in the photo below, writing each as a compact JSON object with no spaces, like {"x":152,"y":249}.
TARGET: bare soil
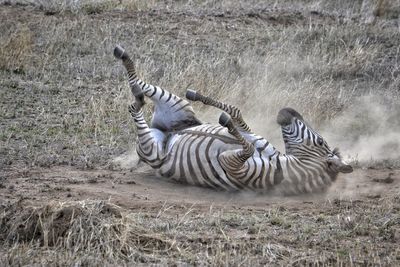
{"x":133,"y":189}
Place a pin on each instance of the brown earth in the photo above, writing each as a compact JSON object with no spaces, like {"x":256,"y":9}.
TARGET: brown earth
{"x":134,"y":189}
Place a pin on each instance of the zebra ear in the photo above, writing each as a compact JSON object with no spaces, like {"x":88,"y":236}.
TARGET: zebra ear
{"x":286,"y":115}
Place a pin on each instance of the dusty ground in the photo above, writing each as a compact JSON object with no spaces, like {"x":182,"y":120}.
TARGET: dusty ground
{"x":63,"y":121}
{"x":142,"y":189}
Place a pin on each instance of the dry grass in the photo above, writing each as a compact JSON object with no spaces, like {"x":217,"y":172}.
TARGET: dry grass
{"x":16,"y":50}
{"x":93,"y":233}
{"x":52,"y":7}
{"x":86,"y":229}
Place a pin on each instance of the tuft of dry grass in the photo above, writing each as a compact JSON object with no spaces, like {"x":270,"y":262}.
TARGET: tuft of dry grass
{"x":85,"y":228}
{"x":90,"y":7}
{"x":16,"y":50}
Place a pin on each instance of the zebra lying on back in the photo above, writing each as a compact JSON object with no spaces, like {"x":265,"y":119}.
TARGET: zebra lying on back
{"x":227,"y":156}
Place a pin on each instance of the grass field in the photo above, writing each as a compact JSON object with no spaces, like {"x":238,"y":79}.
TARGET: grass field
{"x":70,"y":191}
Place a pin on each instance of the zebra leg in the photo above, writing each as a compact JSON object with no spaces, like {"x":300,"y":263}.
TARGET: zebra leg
{"x":150,"y":141}
{"x":232,"y":111}
{"x":171,"y":113}
{"x":234,"y":161}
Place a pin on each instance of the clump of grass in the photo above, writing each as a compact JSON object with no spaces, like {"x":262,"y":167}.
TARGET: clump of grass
{"x":52,"y":7}
{"x":100,"y":6}
{"x":138,"y":5}
{"x":96,"y":7}
{"x":16,"y":50}
{"x":86,"y":227}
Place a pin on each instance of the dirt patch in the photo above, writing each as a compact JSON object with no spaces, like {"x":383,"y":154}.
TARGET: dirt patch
{"x":134,"y":188}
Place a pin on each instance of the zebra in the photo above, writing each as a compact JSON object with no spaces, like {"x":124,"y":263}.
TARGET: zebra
{"x":228,"y":156}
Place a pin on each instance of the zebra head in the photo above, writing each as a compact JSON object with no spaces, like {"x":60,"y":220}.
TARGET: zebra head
{"x":303,"y":142}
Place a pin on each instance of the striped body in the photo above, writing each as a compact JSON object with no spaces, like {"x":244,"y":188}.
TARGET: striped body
{"x":192,"y":156}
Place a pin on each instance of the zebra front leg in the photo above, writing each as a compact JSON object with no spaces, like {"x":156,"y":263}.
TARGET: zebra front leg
{"x":150,"y":141}
{"x":232,"y":111}
{"x":234,"y":162}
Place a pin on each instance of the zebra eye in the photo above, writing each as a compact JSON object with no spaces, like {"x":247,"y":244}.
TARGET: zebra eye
{"x":320,"y":141}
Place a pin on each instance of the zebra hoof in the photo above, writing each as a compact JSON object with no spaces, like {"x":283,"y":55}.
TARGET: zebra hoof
{"x":119,"y":52}
{"x":191,"y":95}
{"x":225,"y":120}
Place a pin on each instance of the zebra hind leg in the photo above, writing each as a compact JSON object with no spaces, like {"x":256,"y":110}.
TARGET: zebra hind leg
{"x":232,"y":111}
{"x":234,"y":161}
{"x":171,"y":113}
{"x":136,"y":90}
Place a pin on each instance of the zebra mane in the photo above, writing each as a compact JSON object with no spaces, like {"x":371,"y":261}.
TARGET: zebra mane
{"x":285,"y":116}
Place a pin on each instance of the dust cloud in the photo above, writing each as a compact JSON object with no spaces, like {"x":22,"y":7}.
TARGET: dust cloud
{"x":127,"y":160}
{"x":363,"y":122}
{"x":368,"y":130}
